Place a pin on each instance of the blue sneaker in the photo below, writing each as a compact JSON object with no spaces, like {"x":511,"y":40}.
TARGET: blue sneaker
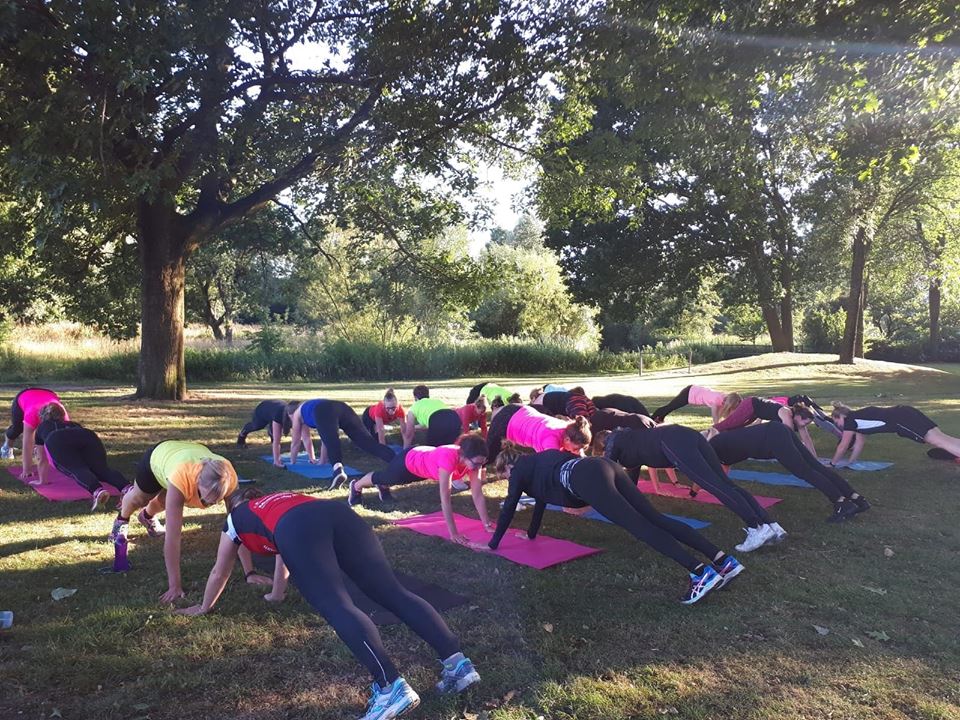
{"x":6,"y":453}
{"x":728,"y":571}
{"x":392,"y":702}
{"x":459,"y":679}
{"x":700,"y":585}
{"x":355,"y":497}
{"x":339,"y":477}
{"x":385,"y":495}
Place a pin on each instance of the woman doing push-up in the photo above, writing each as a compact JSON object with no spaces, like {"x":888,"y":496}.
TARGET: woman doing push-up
{"x":317,"y":542}
{"x":904,"y":420}
{"x":561,"y":478}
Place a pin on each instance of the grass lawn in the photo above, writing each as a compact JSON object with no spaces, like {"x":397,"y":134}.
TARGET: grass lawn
{"x":601,"y":637}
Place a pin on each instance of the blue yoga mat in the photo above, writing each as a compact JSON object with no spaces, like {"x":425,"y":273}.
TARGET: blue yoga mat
{"x":304,"y":468}
{"x":866,"y":465}
{"x":768,"y":478}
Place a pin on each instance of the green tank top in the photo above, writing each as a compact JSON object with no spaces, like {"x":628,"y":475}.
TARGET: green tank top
{"x":425,"y":407}
{"x":490,"y":391}
{"x":171,"y":454}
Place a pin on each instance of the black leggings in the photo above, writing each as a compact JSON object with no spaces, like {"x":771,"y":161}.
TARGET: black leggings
{"x":395,"y":473}
{"x":681,"y":400}
{"x":330,"y":416}
{"x":319,"y":543}
{"x":443,"y":427}
{"x":263,"y":417}
{"x":692,"y":455}
{"x":606,"y":487}
{"x":624,"y":403}
{"x":774,"y":440}
{"x":368,"y":422}
{"x":497,"y":432}
{"x":144,"y":478}
{"x":475,"y":393}
{"x":78,"y":453}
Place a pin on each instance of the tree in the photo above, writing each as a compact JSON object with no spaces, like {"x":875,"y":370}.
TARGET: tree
{"x":169,"y":122}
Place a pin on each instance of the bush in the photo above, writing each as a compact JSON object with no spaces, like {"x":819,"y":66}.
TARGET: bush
{"x":823,"y":329}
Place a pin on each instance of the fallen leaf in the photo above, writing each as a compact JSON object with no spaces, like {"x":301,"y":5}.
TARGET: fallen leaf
{"x":857,"y":642}
{"x":509,"y":696}
{"x":548,"y":627}
{"x":888,"y":552}
{"x":61,"y":593}
{"x":878,"y":591}
{"x":821,"y":630}
{"x":56,"y":713}
{"x":880,"y":635}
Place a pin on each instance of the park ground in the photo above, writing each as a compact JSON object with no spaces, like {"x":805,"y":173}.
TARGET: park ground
{"x":859,"y":620}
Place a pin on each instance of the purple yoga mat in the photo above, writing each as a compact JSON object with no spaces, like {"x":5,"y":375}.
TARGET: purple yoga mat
{"x":60,"y":488}
{"x":541,"y":553}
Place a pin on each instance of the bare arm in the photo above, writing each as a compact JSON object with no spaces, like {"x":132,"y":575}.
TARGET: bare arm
{"x":804,"y":433}
{"x":858,"y":442}
{"x":479,"y":502}
{"x":171,"y":545}
{"x":277,"y":436}
{"x":29,"y":440}
{"x":381,"y":432}
{"x":219,"y":576}
{"x":296,"y":434}
{"x":446,"y":506}
{"x":407,"y":430}
{"x":280,"y":577}
{"x":845,"y":442}
{"x":43,"y":468}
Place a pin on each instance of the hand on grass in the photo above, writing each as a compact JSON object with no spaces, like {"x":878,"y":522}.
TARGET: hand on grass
{"x":460,"y":539}
{"x":172,"y":594}
{"x":479,"y":547}
{"x":191,"y":611}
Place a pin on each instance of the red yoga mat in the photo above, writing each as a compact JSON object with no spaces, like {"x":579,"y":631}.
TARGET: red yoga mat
{"x":682,"y":493}
{"x":60,"y":488}
{"x":541,"y":553}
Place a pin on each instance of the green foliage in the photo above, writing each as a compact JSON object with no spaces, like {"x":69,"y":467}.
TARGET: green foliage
{"x":269,"y":340}
{"x":823,"y":328}
{"x":745,"y":322}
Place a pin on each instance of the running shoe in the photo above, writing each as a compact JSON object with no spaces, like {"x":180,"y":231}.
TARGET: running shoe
{"x":355,"y":497}
{"x":861,"y":504}
{"x":756,"y":537}
{"x":339,"y":477}
{"x":458,"y":486}
{"x":842,"y":511}
{"x":459,"y":678}
{"x":100,"y":498}
{"x":392,"y":702}
{"x":728,"y":571}
{"x":6,"y":453}
{"x":120,"y":527}
{"x":779,"y":534}
{"x":385,"y":495}
{"x":153,"y":526}
{"x":701,"y":584}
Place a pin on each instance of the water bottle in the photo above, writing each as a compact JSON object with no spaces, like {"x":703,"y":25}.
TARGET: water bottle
{"x":120,"y":562}
{"x":6,"y":619}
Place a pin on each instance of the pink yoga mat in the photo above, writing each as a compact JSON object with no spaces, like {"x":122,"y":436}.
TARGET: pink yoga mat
{"x":541,"y":553}
{"x":673,"y":491}
{"x":60,"y":488}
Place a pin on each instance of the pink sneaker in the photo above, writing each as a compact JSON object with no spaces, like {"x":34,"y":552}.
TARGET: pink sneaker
{"x":153,"y":526}
{"x":100,"y":499}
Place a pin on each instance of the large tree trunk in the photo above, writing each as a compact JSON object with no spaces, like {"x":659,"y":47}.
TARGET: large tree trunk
{"x":778,"y":339}
{"x":934,"y":295}
{"x":855,"y":299}
{"x":865,"y":298}
{"x":163,"y":257}
{"x":786,"y":317}
{"x":210,"y":317}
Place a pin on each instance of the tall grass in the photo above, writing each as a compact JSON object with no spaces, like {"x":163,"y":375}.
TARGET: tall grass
{"x":68,"y":352}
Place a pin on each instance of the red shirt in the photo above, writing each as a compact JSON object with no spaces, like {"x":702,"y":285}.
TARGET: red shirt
{"x":470,"y":414}
{"x":378,"y":411}
{"x":252,"y":524}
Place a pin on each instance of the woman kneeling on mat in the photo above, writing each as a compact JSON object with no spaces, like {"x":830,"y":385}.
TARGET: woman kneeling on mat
{"x":317,"y":542}
{"x":275,"y":416}
{"x":76,"y":452}
{"x":170,"y":476}
{"x":442,"y":422}
{"x":686,"y":450}
{"x":560,"y":478}
{"x":24,"y":420}
{"x":443,"y":464}
{"x":329,"y":417}
{"x":774,"y":441}
{"x":904,"y":420}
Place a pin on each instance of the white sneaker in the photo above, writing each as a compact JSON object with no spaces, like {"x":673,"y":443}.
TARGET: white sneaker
{"x":459,"y":486}
{"x":756,"y":537}
{"x":6,"y":453}
{"x":392,"y":702}
{"x":100,"y":499}
{"x":779,"y":534}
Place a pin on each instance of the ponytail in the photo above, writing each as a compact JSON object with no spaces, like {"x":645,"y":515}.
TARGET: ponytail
{"x":840,"y":409}
{"x":53,"y":411}
{"x":389,"y":394}
{"x":509,"y":454}
{"x":240,"y":496}
{"x":730,"y":403}
{"x":578,"y":432}
{"x":599,"y":444}
{"x":801,"y":411}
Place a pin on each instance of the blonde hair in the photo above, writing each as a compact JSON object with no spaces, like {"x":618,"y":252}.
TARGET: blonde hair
{"x":535,"y":393}
{"x":52,"y":411}
{"x":213,"y":477}
{"x":730,"y":403}
{"x":509,"y":454}
{"x":840,"y":409}
{"x":599,"y":443}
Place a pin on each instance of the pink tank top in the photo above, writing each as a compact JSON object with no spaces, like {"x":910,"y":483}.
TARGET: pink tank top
{"x":31,"y":401}
{"x":700,"y":395}
{"x":427,"y":462}
{"x":533,"y":429}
